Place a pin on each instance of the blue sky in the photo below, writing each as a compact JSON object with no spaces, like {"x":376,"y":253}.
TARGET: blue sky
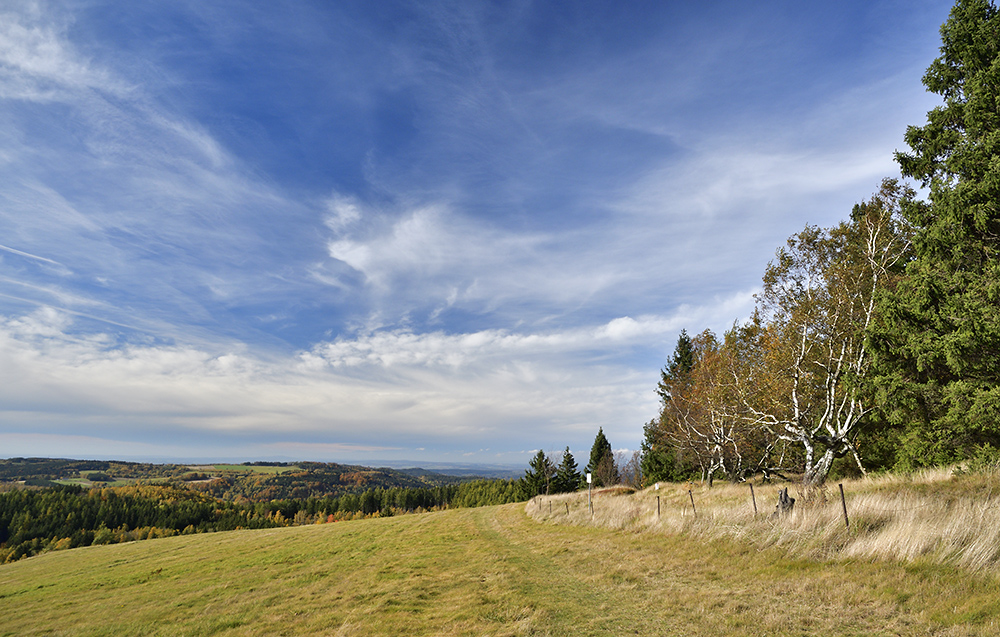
{"x":429,"y":231}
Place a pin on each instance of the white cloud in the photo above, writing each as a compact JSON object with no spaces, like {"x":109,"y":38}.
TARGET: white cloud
{"x":32,"y":256}
{"x":446,"y":390}
{"x":36,"y":63}
{"x":480,"y":350}
{"x":344,"y":212}
{"x":438,"y":349}
{"x":428,"y":241}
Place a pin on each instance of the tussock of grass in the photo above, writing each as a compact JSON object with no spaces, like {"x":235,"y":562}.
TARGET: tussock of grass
{"x":940,"y":516}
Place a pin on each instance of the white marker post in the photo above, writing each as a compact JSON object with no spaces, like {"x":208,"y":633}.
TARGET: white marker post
{"x":590,"y":489}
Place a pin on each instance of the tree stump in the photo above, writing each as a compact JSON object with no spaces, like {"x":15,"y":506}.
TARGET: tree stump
{"x":785,"y":504}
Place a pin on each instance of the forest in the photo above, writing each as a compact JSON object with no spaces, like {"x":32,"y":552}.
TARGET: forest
{"x":875,"y":343}
{"x":34,"y":520}
{"x":248,"y":482}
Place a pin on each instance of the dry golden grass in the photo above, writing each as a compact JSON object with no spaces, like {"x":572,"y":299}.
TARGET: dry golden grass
{"x":490,"y":571}
{"x":495,"y":571}
{"x":938,"y":517}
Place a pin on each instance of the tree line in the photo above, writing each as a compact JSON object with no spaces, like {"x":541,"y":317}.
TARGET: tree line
{"x":546,"y":476}
{"x":874,"y":343}
{"x":240,"y":483}
{"x":34,"y":520}
{"x":61,"y":517}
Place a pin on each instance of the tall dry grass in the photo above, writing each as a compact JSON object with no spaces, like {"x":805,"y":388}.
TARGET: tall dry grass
{"x":939,"y":516}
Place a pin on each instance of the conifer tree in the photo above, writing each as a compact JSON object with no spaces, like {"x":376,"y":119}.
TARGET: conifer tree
{"x":657,"y":461}
{"x":658,"y":456}
{"x":937,"y":339}
{"x":567,"y":475}
{"x":602,"y":461}
{"x":678,"y":367}
{"x":538,"y":476}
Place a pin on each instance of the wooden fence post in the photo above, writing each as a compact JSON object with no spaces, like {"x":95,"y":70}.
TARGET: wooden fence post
{"x":754,"y":498}
{"x":843,"y":505}
{"x":694,"y":510}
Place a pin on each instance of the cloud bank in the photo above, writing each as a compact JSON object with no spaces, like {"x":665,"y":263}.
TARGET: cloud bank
{"x":476,"y":388}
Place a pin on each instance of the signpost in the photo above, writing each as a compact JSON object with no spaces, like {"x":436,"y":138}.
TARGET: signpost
{"x":590,"y":489}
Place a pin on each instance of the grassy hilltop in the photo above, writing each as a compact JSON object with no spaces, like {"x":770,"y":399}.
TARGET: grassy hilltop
{"x":518,"y":570}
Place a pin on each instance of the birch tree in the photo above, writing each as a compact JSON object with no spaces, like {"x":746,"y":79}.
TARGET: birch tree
{"x":817,"y":303}
{"x":703,"y":418}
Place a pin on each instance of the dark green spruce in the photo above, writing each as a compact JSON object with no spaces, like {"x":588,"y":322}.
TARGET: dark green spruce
{"x":937,"y":337}
{"x":602,"y":461}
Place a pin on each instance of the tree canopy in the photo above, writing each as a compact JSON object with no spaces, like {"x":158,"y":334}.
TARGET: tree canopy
{"x":937,"y":337}
{"x":538,"y":476}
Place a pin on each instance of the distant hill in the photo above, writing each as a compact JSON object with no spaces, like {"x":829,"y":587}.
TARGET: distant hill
{"x":250,"y":481}
{"x":472,"y":471}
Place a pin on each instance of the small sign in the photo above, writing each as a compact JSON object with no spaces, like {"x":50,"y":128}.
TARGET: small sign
{"x":588,"y":478}
{"x":657,"y":486}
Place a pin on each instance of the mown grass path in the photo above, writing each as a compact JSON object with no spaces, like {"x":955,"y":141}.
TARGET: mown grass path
{"x":489,"y":571}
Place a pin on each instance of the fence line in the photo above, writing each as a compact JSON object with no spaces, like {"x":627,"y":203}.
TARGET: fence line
{"x":638,"y":512}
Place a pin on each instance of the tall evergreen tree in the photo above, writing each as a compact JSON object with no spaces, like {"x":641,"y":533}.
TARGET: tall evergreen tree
{"x":678,"y":367}
{"x":937,"y":339}
{"x":659,"y":457}
{"x":567,"y":474}
{"x":602,"y":461}
{"x":538,"y":476}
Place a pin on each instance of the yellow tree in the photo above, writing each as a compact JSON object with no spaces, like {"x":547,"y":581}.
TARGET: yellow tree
{"x":703,"y":417}
{"x":805,"y":385}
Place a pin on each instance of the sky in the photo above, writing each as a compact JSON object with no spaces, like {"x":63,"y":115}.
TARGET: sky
{"x":410,"y":232}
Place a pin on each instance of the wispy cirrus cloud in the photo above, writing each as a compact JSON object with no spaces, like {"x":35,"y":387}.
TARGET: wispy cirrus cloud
{"x":436,"y":252}
{"x":144,"y":211}
{"x":527,"y":205}
{"x":36,"y":62}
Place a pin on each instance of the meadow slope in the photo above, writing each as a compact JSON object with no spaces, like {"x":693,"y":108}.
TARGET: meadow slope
{"x":486,"y":571}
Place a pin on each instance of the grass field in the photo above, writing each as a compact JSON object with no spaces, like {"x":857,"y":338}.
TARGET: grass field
{"x":488,"y":571}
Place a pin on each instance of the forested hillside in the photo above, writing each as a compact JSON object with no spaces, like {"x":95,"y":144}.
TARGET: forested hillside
{"x":248,"y":482}
{"x":51,"y":504}
{"x":34,"y":520}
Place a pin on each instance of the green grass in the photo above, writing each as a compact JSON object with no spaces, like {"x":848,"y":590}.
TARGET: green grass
{"x":488,"y":571}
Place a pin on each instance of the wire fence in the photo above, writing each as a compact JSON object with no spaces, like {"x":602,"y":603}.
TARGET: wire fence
{"x":857,"y":521}
{"x":688,"y":504}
